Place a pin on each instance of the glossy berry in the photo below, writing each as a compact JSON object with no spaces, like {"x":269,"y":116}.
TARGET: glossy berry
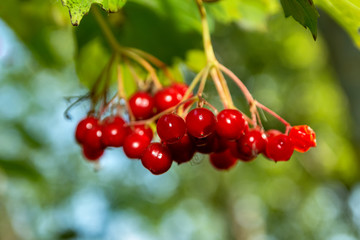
{"x":200,"y":122}
{"x":142,"y":130}
{"x":272,"y":133}
{"x":205,"y":145}
{"x":234,"y":150}
{"x":83,"y":126}
{"x":171,"y":128}
{"x":135,"y":145}
{"x":92,"y":137}
{"x":303,"y":138}
{"x":279,"y":148}
{"x":182,"y":151}
{"x":231,"y":124}
{"x":166,"y":98}
{"x":252,"y":143}
{"x":223,"y":160}
{"x":92,"y":154}
{"x":142,"y":105}
{"x":113,"y":132}
{"x":157,"y":158}
{"x":181,"y":88}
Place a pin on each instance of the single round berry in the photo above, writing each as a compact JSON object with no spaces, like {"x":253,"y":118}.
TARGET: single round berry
{"x":142,"y":105}
{"x":166,"y":98}
{"x":171,"y":128}
{"x":92,"y":154}
{"x":205,"y":145}
{"x":279,"y":148}
{"x":272,"y":133}
{"x":142,"y":130}
{"x":113,"y":132}
{"x":303,"y":138}
{"x":157,"y":158}
{"x":183,"y":150}
{"x":135,"y":145}
{"x":234,"y":150}
{"x":252,"y":143}
{"x":181,"y":88}
{"x":83,"y":126}
{"x":92,"y":137}
{"x":231,"y":124}
{"x":200,"y":122}
{"x":223,"y":160}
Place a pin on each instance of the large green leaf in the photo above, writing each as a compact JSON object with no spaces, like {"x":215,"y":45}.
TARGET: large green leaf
{"x":78,"y":8}
{"x":346,"y":13}
{"x":304,"y":12}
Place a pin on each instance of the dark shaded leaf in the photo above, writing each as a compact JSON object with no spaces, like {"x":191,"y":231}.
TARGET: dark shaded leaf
{"x":304,"y":12}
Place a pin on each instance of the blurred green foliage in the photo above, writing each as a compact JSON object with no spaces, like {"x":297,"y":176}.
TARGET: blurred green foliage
{"x":48,"y":191}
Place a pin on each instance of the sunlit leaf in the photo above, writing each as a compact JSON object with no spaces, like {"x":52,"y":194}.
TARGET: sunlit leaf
{"x":346,"y":13}
{"x":78,"y":8}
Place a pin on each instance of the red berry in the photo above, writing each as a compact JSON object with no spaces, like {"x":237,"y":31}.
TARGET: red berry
{"x":231,"y":124}
{"x":279,"y":148}
{"x":181,"y":88}
{"x":92,"y":137}
{"x":183,"y":150}
{"x":272,"y":133}
{"x":113,"y":132}
{"x":205,"y":145}
{"x":142,"y":130}
{"x":166,"y":98}
{"x":92,"y":154}
{"x":200,"y":122}
{"x":135,"y":145}
{"x":252,"y":143}
{"x":171,"y":128}
{"x":234,"y":150}
{"x":223,"y":160}
{"x":83,"y":126}
{"x":142,"y":105}
{"x":157,"y":158}
{"x":303,"y":138}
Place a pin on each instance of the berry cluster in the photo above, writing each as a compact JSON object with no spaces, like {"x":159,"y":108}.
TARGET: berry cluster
{"x":225,"y":137}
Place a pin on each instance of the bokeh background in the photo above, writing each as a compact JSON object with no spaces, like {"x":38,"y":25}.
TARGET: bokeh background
{"x":48,"y":190}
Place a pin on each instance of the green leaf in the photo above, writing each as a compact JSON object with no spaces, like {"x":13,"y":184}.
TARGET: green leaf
{"x":21,"y":168}
{"x":346,"y":13}
{"x":304,"y":12}
{"x":78,"y":8}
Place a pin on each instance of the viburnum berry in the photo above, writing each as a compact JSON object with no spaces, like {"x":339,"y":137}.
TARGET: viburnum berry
{"x":181,"y":88}
{"x":141,"y":105}
{"x":157,"y":158}
{"x":231,"y":124}
{"x":223,"y":160}
{"x":92,"y":137}
{"x":83,"y":126}
{"x":272,"y":133}
{"x":142,"y":130}
{"x":205,"y":145}
{"x":171,"y":128}
{"x":200,"y":122}
{"x":252,"y":143}
{"x":92,"y":154}
{"x":113,"y":132}
{"x":279,"y":148}
{"x":183,"y":150}
{"x":135,"y":145}
{"x":166,"y":98}
{"x":234,"y":150}
{"x":303,"y":138}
